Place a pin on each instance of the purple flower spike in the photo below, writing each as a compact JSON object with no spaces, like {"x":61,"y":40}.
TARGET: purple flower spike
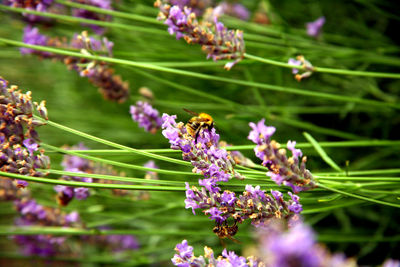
{"x":205,"y":155}
{"x":314,"y":28}
{"x":33,"y":37}
{"x":86,"y":14}
{"x":147,"y":117}
{"x":19,"y":148}
{"x":216,"y":40}
{"x":282,"y":170}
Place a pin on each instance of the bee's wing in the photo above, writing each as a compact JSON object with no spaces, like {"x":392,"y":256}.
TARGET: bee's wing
{"x":191,"y":112}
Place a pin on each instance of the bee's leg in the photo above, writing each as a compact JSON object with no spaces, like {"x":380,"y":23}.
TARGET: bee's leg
{"x":210,"y":126}
{"x":222,"y":242}
{"x":234,"y":240}
{"x":196,"y":135}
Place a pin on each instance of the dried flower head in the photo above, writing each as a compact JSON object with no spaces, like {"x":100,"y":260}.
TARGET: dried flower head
{"x":20,"y":151}
{"x":216,"y":40}
{"x":99,"y":74}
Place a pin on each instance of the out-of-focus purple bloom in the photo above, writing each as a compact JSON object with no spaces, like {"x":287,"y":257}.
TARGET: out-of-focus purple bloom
{"x":76,"y":164}
{"x":232,"y":9}
{"x":306,"y":70}
{"x":391,"y":263}
{"x":33,"y":37}
{"x":121,"y":243}
{"x":37,"y":5}
{"x":314,"y":28}
{"x":295,"y":246}
{"x":216,"y":40}
{"x":147,"y":117}
{"x":87,"y":14}
{"x":19,"y":151}
{"x":295,"y":62}
{"x":11,"y":189}
{"x":283,"y":170}
{"x":31,"y":214}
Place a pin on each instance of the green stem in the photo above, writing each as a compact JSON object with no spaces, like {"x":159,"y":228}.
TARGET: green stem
{"x":358,"y":196}
{"x":114,"y":178}
{"x":117,"y":163}
{"x":365,"y":178}
{"x":86,"y":21}
{"x":89,"y":185}
{"x":321,"y":152}
{"x":206,"y":76}
{"x":113,"y":13}
{"x":112,"y":144}
{"x":326,"y":70}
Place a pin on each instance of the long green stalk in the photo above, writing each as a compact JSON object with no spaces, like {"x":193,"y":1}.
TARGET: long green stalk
{"x":206,"y":76}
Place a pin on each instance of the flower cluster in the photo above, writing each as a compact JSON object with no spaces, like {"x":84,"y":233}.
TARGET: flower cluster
{"x":87,"y":14}
{"x":115,"y":243}
{"x":185,"y":257}
{"x":297,"y":245}
{"x":307,"y":67}
{"x":18,"y":137}
{"x":314,"y":28}
{"x":147,"y":117}
{"x":204,"y":153}
{"x":253,"y":204}
{"x":79,"y":165}
{"x":32,"y":213}
{"x":9,"y":190}
{"x":99,"y":73}
{"x":37,"y":5}
{"x":276,"y":247}
{"x":216,"y":40}
{"x":283,"y":170}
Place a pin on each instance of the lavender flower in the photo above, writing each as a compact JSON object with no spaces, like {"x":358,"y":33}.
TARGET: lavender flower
{"x":253,"y":204}
{"x":18,"y":137}
{"x":79,"y":165}
{"x":87,"y":14}
{"x":99,"y":73}
{"x":283,"y":170}
{"x":147,"y":117}
{"x":232,"y":9}
{"x":314,"y":28}
{"x":185,"y":257}
{"x":31,"y":214}
{"x":206,"y":156}
{"x":216,"y":40}
{"x":391,"y":263}
{"x":295,"y":247}
{"x":307,"y":67}
{"x":37,"y":5}
{"x":11,"y":190}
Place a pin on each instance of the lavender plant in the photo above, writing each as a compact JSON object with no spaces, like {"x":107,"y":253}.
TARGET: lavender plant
{"x":343,"y":118}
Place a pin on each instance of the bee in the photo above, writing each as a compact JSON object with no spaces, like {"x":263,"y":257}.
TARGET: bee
{"x":197,"y":123}
{"x":223,"y":230}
